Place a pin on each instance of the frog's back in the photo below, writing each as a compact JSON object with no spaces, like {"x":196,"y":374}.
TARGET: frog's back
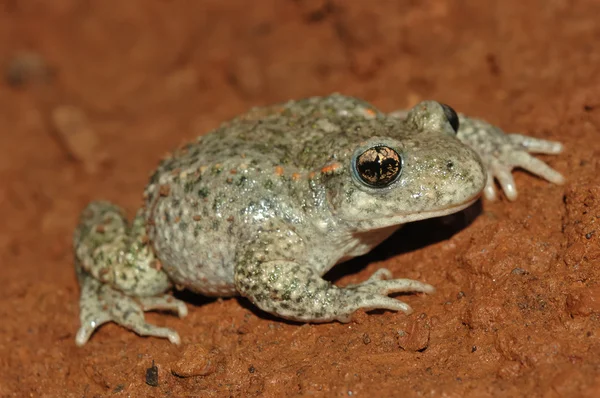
{"x":297,"y":133}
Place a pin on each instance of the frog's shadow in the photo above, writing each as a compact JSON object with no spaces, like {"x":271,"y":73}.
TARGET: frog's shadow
{"x":410,"y":237}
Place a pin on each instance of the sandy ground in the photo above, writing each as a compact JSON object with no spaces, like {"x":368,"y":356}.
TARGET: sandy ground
{"x":93,"y":95}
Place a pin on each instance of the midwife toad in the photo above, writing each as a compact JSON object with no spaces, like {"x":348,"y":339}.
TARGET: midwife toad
{"x":267,"y":203}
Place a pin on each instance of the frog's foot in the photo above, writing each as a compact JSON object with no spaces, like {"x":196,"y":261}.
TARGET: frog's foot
{"x":101,"y":303}
{"x":501,"y":153}
{"x":294,"y":291}
{"x":373,"y":293}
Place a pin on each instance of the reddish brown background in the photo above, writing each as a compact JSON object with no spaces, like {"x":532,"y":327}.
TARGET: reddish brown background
{"x":518,"y":307}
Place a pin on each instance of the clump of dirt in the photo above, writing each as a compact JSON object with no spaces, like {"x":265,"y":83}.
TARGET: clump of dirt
{"x":94,"y":93}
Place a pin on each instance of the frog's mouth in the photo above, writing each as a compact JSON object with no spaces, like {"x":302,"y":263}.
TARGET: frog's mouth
{"x":435,"y":213}
{"x":400,"y":219}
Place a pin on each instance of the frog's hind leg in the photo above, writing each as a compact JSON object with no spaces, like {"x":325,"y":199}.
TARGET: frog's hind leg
{"x":119,"y":276}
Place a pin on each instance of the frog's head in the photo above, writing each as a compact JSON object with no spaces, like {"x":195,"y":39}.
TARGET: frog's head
{"x":413,"y":170}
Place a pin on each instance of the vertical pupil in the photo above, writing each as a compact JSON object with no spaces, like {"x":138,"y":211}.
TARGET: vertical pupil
{"x":378,"y":166}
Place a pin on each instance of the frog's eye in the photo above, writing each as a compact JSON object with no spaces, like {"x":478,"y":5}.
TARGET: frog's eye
{"x":451,"y":116}
{"x":378,"y":166}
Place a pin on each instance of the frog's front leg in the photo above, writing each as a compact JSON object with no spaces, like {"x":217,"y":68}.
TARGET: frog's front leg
{"x":277,"y":281}
{"x":119,"y":275}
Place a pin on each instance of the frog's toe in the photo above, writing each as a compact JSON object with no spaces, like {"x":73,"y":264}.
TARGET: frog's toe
{"x":537,"y":167}
{"x":381,"y":282}
{"x":370,"y":301}
{"x":380,"y":274}
{"x":145,"y":329}
{"x":376,"y":285}
{"x":381,"y":302}
{"x":88,"y":327}
{"x":490,"y":188}
{"x":536,"y":145}
{"x":164,"y":303}
{"x":504,"y":176}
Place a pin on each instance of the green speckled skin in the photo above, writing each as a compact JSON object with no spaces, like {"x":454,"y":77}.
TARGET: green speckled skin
{"x":267,"y":203}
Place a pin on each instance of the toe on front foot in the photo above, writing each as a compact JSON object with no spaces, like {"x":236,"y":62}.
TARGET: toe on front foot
{"x":380,"y":283}
{"x":373,"y":294}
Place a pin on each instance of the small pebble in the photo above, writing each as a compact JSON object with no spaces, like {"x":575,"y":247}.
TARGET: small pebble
{"x":196,"y":361}
{"x":152,"y":375}
{"x":26,"y":67}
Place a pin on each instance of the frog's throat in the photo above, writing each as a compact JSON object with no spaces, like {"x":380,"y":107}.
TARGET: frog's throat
{"x":405,"y":218}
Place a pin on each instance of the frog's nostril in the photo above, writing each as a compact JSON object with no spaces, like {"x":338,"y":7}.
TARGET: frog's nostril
{"x":449,"y":165}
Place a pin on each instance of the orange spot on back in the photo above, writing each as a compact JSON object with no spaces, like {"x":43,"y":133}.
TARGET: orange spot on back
{"x":330,"y":168}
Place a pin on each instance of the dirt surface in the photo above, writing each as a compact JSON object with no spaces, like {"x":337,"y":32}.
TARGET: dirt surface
{"x":93,"y":95}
